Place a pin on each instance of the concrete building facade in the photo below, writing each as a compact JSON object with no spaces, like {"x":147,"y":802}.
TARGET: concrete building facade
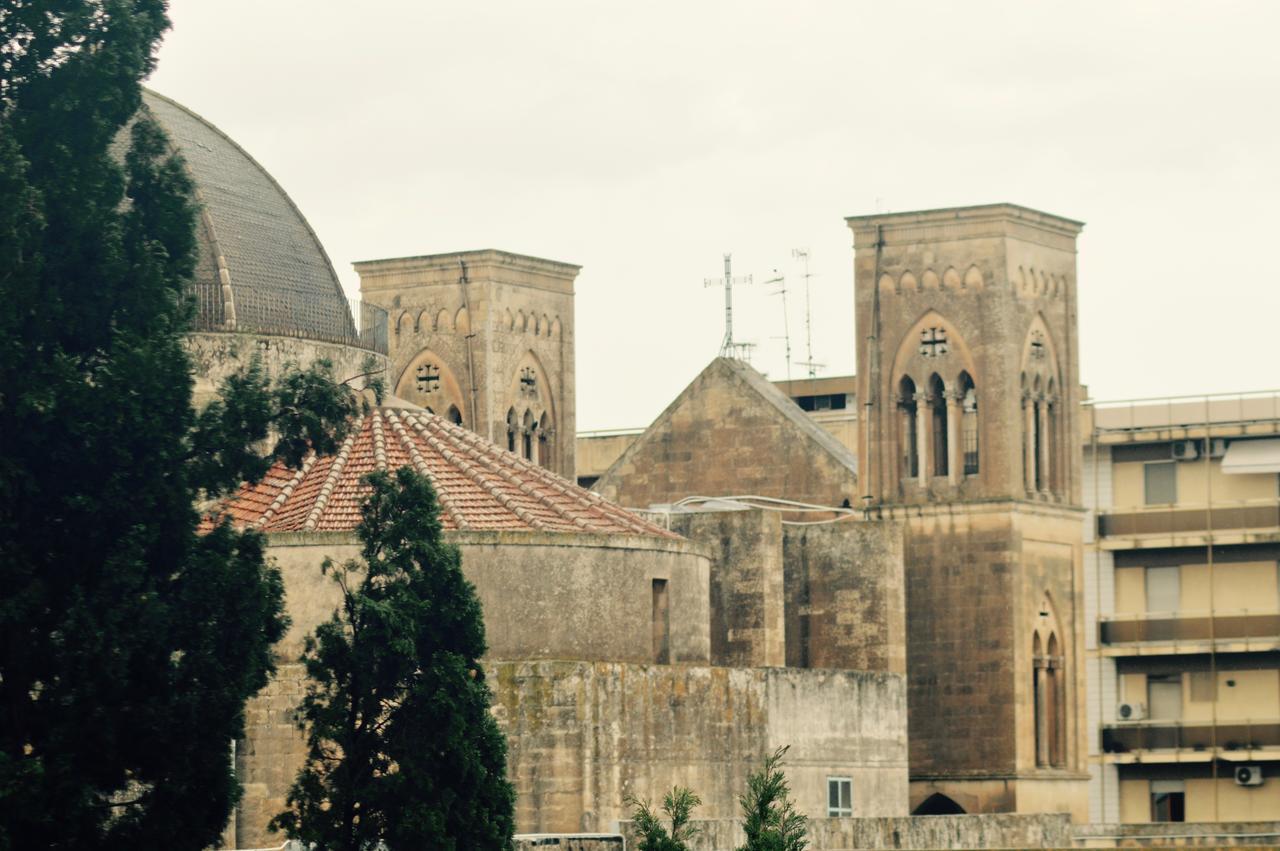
{"x":1182,"y":584}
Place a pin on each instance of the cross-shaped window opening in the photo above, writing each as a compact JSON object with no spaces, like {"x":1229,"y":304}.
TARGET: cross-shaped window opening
{"x":933,"y":342}
{"x":428,"y":378}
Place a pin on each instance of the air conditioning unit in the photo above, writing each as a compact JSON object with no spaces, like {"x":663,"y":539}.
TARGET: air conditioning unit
{"x":1185,"y":450}
{"x":1217,"y":447}
{"x":1131,"y":711}
{"x":1248,"y":775}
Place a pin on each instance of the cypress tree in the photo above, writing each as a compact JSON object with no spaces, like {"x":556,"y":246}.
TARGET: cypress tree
{"x":402,"y":749}
{"x":128,"y":643}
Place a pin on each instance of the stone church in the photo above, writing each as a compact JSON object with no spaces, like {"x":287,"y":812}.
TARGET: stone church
{"x":911,"y":629}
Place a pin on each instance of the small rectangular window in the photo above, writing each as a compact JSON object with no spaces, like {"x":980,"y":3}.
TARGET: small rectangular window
{"x":1168,"y":800}
{"x":839,"y":797}
{"x":1164,"y":589}
{"x":1164,"y":697}
{"x":1160,"y":482}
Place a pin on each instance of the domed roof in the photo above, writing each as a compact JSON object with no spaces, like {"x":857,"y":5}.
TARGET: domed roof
{"x":480,"y":486}
{"x":259,"y":267}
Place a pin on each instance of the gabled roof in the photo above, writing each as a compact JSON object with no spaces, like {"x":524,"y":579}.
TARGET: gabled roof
{"x":479,"y":485}
{"x":789,"y":409}
{"x":731,"y":431}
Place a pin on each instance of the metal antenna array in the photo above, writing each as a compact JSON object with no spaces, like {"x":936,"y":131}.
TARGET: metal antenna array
{"x":728,"y":348}
{"x":781,"y":280}
{"x":809,"y":363}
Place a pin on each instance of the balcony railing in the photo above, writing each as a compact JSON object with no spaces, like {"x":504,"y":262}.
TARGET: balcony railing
{"x":1185,"y":411}
{"x":1189,"y":626}
{"x":1182,"y":519}
{"x":1190,"y":736}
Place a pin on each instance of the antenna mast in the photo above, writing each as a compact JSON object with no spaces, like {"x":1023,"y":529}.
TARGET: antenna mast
{"x":809,"y":363}
{"x":728,"y":348}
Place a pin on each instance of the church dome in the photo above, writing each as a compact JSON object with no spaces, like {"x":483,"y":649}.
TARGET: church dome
{"x":259,"y":267}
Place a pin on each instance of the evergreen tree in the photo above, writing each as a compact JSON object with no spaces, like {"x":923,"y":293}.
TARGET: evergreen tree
{"x":678,"y":805}
{"x":128,"y":644}
{"x":769,"y":817}
{"x":402,"y":749}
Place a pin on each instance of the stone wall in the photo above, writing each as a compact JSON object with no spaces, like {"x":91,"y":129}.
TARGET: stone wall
{"x":747,"y":610}
{"x":1255,"y":834}
{"x":911,"y":832}
{"x":544,"y":595}
{"x":845,"y":596}
{"x":585,"y":736}
{"x":216,"y":355}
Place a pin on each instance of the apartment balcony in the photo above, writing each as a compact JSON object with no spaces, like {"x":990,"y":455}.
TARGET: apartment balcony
{"x":1179,"y":633}
{"x":1191,"y":741}
{"x":1145,"y":527}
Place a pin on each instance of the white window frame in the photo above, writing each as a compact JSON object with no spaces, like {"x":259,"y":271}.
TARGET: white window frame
{"x":844,"y":794}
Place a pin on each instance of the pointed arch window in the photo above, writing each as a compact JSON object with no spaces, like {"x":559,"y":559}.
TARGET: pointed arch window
{"x":908,"y":444}
{"x":938,"y":424}
{"x":969,"y":423}
{"x":512,"y":428}
{"x":1049,"y":693}
{"x":454,"y":415}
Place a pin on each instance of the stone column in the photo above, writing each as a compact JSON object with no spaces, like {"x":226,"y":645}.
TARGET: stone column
{"x":1044,"y":468}
{"x":1041,"y":705}
{"x":924,"y":437}
{"x":955,"y":451}
{"x":1029,"y":444}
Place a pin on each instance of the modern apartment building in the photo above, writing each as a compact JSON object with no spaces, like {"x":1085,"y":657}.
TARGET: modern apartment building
{"x":1182,"y":583}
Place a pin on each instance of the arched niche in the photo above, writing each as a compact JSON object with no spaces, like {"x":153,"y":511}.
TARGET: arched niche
{"x":428,"y":381}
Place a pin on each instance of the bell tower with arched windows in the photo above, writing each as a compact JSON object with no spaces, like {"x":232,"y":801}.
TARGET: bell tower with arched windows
{"x":968,"y":386}
{"x":484,"y":338}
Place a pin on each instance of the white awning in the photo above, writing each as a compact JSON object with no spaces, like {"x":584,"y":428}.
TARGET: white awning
{"x":1252,"y":456}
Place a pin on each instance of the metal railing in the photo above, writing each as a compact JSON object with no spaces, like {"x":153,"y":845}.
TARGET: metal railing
{"x":1188,"y":411}
{"x":1126,"y":737}
{"x":1189,"y":626}
{"x":1171,"y":519}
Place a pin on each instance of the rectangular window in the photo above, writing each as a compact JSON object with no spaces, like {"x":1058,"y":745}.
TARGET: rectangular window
{"x":839,"y":797}
{"x":1160,"y":482}
{"x":1164,"y":697}
{"x":1168,"y":800}
{"x":661,"y":623}
{"x":1164,"y":589}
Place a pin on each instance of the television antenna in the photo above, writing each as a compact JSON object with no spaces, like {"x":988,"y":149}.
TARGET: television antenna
{"x":781,"y":280}
{"x":728,"y":348}
{"x":809,"y":363}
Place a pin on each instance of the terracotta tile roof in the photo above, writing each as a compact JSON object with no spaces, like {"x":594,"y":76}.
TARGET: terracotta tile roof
{"x":480,"y":486}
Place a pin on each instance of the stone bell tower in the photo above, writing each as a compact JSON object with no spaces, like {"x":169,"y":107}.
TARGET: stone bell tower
{"x":484,"y":338}
{"x":968,"y":380}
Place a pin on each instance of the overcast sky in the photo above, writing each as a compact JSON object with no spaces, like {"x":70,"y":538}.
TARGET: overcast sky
{"x":642,"y":141}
